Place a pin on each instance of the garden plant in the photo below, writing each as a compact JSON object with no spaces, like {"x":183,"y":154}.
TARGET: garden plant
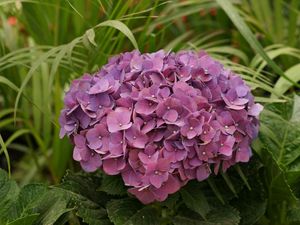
{"x":149,"y":112}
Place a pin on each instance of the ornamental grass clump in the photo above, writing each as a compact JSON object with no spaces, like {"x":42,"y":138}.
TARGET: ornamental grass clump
{"x":160,"y":120}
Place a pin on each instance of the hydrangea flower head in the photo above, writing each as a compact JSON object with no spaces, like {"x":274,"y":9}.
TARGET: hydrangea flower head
{"x":160,"y":120}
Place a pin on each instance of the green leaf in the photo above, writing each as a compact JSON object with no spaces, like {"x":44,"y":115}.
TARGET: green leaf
{"x":146,"y":216}
{"x":89,"y":203}
{"x":120,"y":211}
{"x":171,"y":201}
{"x":296,"y":110}
{"x":90,"y":34}
{"x":238,"y":21}
{"x":52,"y":206}
{"x":28,"y":200}
{"x":279,"y":135}
{"x":4,"y":149}
{"x":121,"y":27}
{"x":215,"y":190}
{"x":278,"y":147}
{"x":219,"y":216}
{"x":282,"y":85}
{"x":194,"y":199}
{"x":7,"y":82}
{"x":9,"y":191}
{"x":34,"y":204}
{"x":252,"y":205}
{"x":112,"y":185}
{"x":26,"y":220}
{"x":229,"y":183}
{"x":93,"y":216}
{"x":294,"y":213}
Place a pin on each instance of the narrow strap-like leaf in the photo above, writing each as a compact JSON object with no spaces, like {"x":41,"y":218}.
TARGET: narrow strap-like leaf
{"x":238,"y":21}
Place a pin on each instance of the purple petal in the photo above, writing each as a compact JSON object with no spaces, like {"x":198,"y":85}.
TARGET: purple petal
{"x":171,"y":115}
{"x":255,"y":109}
{"x":92,"y":164}
{"x":203,"y":172}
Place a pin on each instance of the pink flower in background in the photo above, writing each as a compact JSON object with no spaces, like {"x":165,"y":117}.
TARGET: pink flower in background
{"x":159,"y":120}
{"x":12,"y":20}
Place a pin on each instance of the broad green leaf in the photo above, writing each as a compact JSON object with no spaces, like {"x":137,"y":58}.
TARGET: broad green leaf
{"x":9,"y":191}
{"x":278,"y":147}
{"x":120,"y":211}
{"x":26,"y":220}
{"x":27,"y":201}
{"x":194,"y":199}
{"x":52,"y":206}
{"x":252,"y":205}
{"x":93,"y":216}
{"x":83,"y":186}
{"x":279,"y":135}
{"x":34,"y":204}
{"x":89,"y":203}
{"x":293,"y":214}
{"x":171,"y":201}
{"x":145,"y":216}
{"x":112,"y":185}
{"x":225,"y":215}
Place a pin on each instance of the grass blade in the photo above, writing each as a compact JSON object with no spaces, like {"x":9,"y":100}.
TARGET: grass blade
{"x":121,"y":27}
{"x":238,"y":21}
{"x":3,"y":146}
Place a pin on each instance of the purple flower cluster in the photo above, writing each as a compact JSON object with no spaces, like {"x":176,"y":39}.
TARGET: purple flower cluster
{"x":160,"y":120}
